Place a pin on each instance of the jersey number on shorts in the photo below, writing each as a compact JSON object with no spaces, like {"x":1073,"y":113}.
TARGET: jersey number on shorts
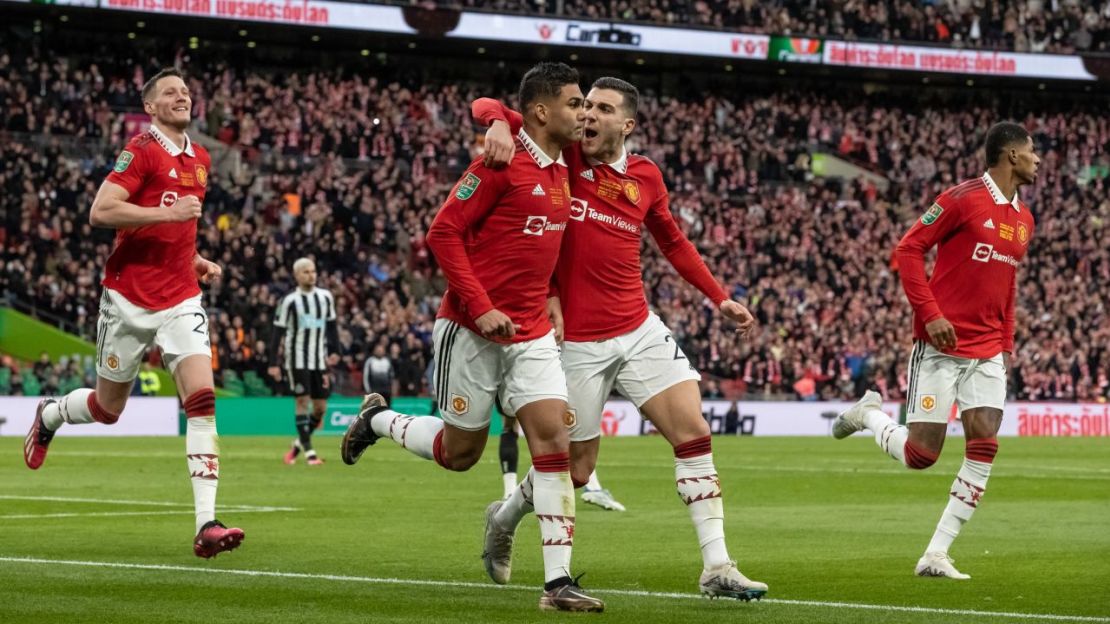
{"x":200,"y":326}
{"x":678,"y":355}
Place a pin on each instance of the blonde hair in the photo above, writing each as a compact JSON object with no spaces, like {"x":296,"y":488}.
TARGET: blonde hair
{"x":302,"y":262}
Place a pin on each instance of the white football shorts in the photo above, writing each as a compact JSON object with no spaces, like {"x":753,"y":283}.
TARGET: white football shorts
{"x":125,"y":331}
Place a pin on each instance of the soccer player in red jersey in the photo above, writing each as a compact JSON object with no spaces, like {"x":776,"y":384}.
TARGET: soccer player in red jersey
{"x":963,"y":330}
{"x":153,"y":198}
{"x":612,"y":340}
{"x":497,"y":239}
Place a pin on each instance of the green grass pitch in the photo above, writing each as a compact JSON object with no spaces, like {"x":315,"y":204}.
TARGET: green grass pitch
{"x":833,"y":527}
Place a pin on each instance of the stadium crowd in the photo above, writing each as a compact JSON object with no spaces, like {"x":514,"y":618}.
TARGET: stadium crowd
{"x":358,"y":190}
{"x":1064,"y":26}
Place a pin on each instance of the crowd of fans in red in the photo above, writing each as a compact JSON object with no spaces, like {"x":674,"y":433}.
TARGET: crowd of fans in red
{"x":1062,"y":26}
{"x":350,"y":169}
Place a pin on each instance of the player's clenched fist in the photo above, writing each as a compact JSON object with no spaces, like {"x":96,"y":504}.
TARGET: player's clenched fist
{"x":494,"y":324}
{"x":185,"y":208}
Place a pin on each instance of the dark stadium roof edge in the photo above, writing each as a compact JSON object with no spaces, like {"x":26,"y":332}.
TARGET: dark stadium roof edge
{"x":619,"y":37}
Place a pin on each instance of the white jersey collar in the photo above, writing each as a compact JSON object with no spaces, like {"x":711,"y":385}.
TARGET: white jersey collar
{"x":537,"y":154}
{"x":169,"y":146}
{"x":996,"y":192}
{"x":620,"y":165}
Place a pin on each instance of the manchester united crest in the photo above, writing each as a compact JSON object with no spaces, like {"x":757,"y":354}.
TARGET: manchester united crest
{"x":202,"y":175}
{"x":928,"y":402}
{"x":113,"y":362}
{"x":631,"y":191}
{"x":566,"y":189}
{"x":1023,"y":233}
{"x":459,"y":404}
{"x":570,"y":417}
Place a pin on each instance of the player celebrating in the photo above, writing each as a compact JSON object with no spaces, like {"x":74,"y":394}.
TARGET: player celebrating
{"x":612,"y":340}
{"x":497,"y":239}
{"x":305,"y":326}
{"x":963,"y":329}
{"x":153,"y":198}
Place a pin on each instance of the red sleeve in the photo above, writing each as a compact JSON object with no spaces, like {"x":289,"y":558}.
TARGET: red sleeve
{"x":942,"y":218}
{"x":1008,"y":323}
{"x":130,"y":169}
{"x":680,"y":252}
{"x":475,"y":195}
{"x":488,"y":110}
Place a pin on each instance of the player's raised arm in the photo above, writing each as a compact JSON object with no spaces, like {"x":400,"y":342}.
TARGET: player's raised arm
{"x":475,"y":195}
{"x":488,"y":110}
{"x":942,"y":218}
{"x":503,"y":123}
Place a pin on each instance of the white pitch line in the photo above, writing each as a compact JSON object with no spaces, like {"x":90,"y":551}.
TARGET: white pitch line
{"x":107,"y":501}
{"x":114,"y":514}
{"x":487,"y":586}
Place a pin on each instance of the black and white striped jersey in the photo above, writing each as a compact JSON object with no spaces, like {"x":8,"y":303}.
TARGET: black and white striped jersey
{"x":305,"y":316}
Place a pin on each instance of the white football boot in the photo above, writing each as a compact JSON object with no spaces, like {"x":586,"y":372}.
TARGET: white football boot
{"x":498,"y":553}
{"x":727,"y":581}
{"x":602,"y":498}
{"x":851,"y":420}
{"x":939,"y":564}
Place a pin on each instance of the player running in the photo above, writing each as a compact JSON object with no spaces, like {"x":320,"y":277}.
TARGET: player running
{"x":497,"y":239}
{"x":153,"y":199}
{"x":304,"y":327}
{"x":612,"y":340}
{"x":963,"y":329}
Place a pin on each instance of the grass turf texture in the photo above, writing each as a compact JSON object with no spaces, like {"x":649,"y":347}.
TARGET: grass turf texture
{"x":816,"y":519}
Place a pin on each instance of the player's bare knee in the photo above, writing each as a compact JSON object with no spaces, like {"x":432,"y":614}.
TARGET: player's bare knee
{"x":580,"y":476}
{"x":461,"y":462}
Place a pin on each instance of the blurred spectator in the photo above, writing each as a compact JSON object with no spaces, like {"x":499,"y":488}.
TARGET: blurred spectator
{"x":377,"y":373}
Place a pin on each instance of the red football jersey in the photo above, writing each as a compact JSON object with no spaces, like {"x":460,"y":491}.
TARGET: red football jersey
{"x":599,"y":278}
{"x":497,"y":238}
{"x":152,"y":265}
{"x":981,"y":238}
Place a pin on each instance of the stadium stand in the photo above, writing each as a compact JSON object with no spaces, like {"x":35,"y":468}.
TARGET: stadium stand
{"x":1067,"y":26}
{"x":811,"y":255}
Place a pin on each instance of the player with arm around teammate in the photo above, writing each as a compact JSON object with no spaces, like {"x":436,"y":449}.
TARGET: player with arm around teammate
{"x":612,"y":340}
{"x":497,"y":240}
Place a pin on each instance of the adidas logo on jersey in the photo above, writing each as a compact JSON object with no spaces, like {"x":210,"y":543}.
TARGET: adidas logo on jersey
{"x":173,"y":173}
{"x":588,"y":174}
{"x":538,"y":190}
{"x":989,"y":224}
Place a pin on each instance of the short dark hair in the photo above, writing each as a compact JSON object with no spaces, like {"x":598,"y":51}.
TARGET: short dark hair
{"x":1001,"y":137}
{"x":627,"y":90}
{"x":148,"y":87}
{"x":545,"y":80}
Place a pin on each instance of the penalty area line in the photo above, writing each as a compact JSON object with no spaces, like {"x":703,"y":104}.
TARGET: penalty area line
{"x":487,"y":586}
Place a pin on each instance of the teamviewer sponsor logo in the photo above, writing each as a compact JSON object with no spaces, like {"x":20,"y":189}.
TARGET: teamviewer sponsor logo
{"x":578,"y":208}
{"x":982,"y":252}
{"x":534,"y":226}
